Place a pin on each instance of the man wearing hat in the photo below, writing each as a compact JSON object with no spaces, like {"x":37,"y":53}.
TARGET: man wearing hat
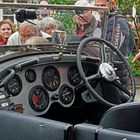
{"x":86,"y":23}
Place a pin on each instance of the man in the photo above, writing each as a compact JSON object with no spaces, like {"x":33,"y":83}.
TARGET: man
{"x":85,"y":21}
{"x":26,"y":30}
{"x":118,"y":31}
{"x":43,"y":12}
{"x":119,"y":34}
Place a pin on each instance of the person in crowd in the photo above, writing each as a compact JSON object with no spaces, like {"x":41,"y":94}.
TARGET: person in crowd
{"x":6,"y":29}
{"x":25,"y":31}
{"x":43,"y":11}
{"x":36,"y":40}
{"x":136,"y":57}
{"x":32,"y":42}
{"x":14,"y":27}
{"x":118,"y":31}
{"x":86,"y":23}
{"x":48,"y":25}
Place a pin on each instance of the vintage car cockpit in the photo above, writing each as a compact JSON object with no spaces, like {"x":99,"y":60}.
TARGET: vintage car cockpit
{"x":67,"y":84}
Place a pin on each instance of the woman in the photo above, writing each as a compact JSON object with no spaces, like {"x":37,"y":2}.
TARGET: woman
{"x":48,"y":25}
{"x":6,"y":29}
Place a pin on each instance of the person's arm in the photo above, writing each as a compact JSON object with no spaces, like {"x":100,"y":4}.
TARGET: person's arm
{"x":137,"y":57}
{"x":14,"y":39}
{"x":124,"y":26}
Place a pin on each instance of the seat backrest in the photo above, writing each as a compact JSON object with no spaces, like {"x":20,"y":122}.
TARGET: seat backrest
{"x":17,"y":126}
{"x":115,"y":134}
{"x":85,"y":131}
{"x":125,"y":117}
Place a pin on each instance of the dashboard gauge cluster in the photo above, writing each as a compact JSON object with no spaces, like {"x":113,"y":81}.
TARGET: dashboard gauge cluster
{"x":14,"y":86}
{"x":73,"y":76}
{"x":44,"y":85}
{"x":66,"y":94}
{"x":51,"y":78}
{"x":30,"y":75}
{"x":38,"y":98}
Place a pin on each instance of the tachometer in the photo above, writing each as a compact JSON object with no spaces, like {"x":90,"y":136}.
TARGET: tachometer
{"x":51,"y":78}
{"x":38,"y":98}
{"x":14,"y":86}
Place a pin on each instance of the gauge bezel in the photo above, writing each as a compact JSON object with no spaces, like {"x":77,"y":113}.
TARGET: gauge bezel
{"x":69,"y":75}
{"x":61,"y":93}
{"x":19,"y":83}
{"x":31,"y":100}
{"x":56,"y":73}
{"x":27,"y":72}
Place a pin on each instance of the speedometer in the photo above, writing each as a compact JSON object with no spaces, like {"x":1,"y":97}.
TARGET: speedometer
{"x":38,"y":98}
{"x":51,"y":78}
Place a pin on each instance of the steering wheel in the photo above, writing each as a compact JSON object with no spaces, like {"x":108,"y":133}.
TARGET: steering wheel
{"x":105,"y":70}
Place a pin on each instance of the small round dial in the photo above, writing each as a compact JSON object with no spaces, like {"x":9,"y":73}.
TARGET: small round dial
{"x":14,"y":86}
{"x":51,"y":78}
{"x":30,"y":75}
{"x":66,"y":94}
{"x":73,"y":76}
{"x":38,"y":98}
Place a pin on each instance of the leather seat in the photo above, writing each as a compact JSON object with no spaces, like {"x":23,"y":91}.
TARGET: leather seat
{"x":115,"y":134}
{"x":85,"y":131}
{"x":124,"y":117}
{"x":17,"y":126}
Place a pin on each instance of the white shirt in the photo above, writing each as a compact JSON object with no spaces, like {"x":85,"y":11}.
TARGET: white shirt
{"x":14,"y":39}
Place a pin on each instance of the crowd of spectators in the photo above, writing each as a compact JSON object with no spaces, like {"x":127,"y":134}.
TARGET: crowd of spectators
{"x":88,"y":23}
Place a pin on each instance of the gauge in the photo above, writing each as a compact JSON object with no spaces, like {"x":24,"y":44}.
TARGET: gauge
{"x":66,"y":94}
{"x":14,"y":86}
{"x":30,"y":75}
{"x":73,"y":76}
{"x":38,"y":98}
{"x":51,"y":78}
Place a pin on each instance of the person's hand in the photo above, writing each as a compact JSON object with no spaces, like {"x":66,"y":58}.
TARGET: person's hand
{"x":137,"y":57}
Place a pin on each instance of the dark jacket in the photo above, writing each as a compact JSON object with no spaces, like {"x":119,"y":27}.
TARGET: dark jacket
{"x":118,"y":32}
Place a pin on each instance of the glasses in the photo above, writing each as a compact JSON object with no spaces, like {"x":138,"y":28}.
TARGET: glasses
{"x":78,"y":12}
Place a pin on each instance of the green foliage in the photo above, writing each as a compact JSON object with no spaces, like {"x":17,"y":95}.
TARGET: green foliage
{"x":66,"y":17}
{"x":127,"y":4}
{"x":67,"y":2}
{"x":135,"y":67}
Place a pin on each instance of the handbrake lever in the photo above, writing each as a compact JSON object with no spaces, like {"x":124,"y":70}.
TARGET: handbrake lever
{"x":7,"y":77}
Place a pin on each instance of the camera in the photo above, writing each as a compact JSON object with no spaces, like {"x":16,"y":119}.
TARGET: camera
{"x":22,"y":15}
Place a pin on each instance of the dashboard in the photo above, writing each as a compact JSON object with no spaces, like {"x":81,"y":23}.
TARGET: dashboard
{"x":37,"y":87}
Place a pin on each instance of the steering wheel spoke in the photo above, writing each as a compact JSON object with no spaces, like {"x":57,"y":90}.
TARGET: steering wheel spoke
{"x":93,"y":77}
{"x":119,"y":85}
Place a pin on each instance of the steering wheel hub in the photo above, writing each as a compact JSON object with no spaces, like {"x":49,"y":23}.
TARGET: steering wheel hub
{"x":107,"y":72}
